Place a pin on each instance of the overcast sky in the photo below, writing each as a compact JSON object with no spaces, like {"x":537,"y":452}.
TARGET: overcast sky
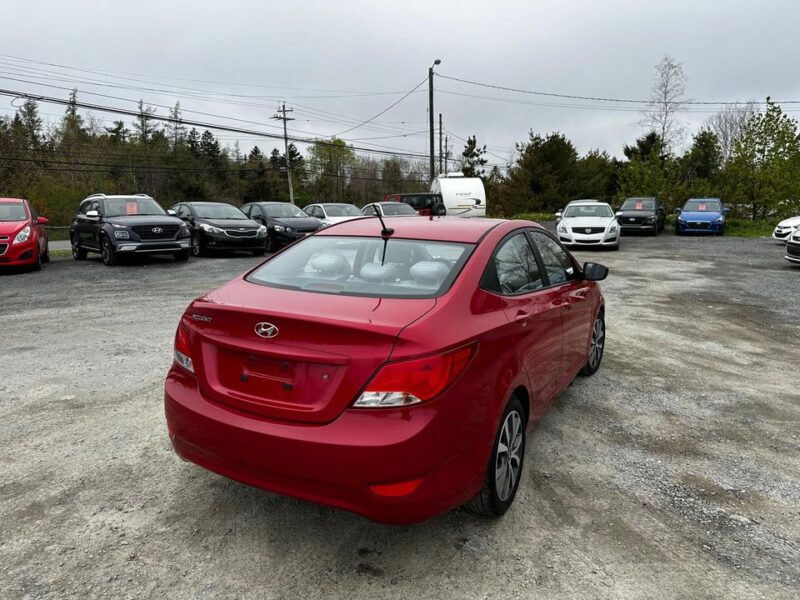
{"x":730,"y":49}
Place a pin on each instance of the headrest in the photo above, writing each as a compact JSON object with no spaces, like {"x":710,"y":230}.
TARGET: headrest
{"x":429,"y":272}
{"x":378,"y":272}
{"x":330,"y":265}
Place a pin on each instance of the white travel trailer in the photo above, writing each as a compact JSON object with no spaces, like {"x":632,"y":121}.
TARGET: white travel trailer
{"x":462,"y":196}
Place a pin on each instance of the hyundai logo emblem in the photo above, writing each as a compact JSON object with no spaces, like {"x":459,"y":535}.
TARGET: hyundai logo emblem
{"x":266,"y":330}
{"x":156,"y":230}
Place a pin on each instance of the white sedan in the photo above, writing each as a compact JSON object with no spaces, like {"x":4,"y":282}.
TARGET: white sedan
{"x":331,"y":213}
{"x":785,"y":228}
{"x":587,"y":223}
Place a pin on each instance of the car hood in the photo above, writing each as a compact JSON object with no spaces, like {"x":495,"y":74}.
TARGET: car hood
{"x":588,"y":221}
{"x":791,"y":222}
{"x":9,"y":228}
{"x":636,"y":213}
{"x":230,"y":223}
{"x":700,"y":216}
{"x":132,"y":220}
{"x":296,"y":222}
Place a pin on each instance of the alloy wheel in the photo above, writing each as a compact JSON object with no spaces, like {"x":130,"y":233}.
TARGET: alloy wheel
{"x":195,"y":246}
{"x":508,"y":462}
{"x":597,"y":344}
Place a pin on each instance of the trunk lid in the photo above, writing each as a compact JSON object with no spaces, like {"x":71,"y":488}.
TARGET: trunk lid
{"x":323,"y":351}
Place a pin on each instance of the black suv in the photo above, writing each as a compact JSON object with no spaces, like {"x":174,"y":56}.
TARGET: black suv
{"x":285,"y":222}
{"x":221,"y":226}
{"x":117,"y":226}
{"x":424,"y":203}
{"x":642,"y":214}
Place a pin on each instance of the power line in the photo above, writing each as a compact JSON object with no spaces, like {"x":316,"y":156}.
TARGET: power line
{"x":392,"y":105}
{"x":200,"y":124}
{"x":597,"y":98}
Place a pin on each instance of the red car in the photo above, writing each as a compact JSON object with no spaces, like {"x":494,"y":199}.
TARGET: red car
{"x":23,"y":238}
{"x":390,"y":372}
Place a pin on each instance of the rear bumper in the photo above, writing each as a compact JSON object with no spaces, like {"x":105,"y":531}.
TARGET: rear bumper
{"x":334,"y":463}
{"x":18,"y":255}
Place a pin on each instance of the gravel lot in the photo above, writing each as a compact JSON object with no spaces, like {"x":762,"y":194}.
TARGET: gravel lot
{"x":675,"y":471}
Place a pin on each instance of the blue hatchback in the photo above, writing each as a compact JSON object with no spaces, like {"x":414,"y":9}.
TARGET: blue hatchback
{"x":701,"y":215}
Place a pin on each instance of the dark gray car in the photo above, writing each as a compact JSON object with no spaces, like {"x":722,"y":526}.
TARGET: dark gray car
{"x":642,"y":214}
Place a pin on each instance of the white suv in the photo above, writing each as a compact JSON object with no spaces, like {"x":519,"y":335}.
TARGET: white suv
{"x":588,"y":223}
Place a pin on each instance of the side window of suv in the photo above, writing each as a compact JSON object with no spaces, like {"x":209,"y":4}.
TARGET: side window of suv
{"x":555,"y":260}
{"x":513,"y":269}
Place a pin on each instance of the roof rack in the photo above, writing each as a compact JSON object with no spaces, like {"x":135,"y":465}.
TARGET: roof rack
{"x":93,"y":195}
{"x":143,"y":195}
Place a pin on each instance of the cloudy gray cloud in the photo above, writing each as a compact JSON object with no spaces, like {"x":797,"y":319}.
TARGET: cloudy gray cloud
{"x":731,"y":50}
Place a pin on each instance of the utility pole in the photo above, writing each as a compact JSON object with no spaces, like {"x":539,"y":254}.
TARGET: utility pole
{"x":282,"y":117}
{"x":440,"y":143}
{"x":446,"y":153}
{"x":430,"y":111}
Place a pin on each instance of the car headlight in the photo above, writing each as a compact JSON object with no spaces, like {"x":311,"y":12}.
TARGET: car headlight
{"x":122,"y":234}
{"x":210,"y":228}
{"x":681,"y":220}
{"x":719,"y":220}
{"x":562,"y":227}
{"x":184,"y":232}
{"x":649,"y":219}
{"x":613,"y":227}
{"x":23,"y":235}
{"x":279,"y":228}
{"x":262,"y":231}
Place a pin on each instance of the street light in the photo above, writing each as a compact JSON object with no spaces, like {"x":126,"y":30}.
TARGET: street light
{"x":430,"y":109}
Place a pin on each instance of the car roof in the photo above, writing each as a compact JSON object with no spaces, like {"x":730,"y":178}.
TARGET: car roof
{"x":444,"y":229}
{"x":273,"y":202}
{"x":12,"y":200}
{"x":588,"y":202}
{"x":386,"y":203}
{"x":203,"y":202}
{"x":332,"y":204}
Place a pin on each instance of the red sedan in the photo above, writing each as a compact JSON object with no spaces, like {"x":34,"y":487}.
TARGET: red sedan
{"x":391,"y":372}
{"x":23,"y":238}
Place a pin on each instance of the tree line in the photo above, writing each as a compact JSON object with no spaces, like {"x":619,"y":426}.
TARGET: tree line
{"x":746,"y":154}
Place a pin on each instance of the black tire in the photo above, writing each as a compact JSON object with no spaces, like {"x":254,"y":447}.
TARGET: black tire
{"x":271,"y":245}
{"x":37,"y":264}
{"x":46,"y":255}
{"x":491,"y":501}
{"x":107,"y":252}
{"x":655,"y":231}
{"x":615,"y":247}
{"x":78,"y":253}
{"x":197,"y":246}
{"x":596,"y":346}
{"x":182,"y":256}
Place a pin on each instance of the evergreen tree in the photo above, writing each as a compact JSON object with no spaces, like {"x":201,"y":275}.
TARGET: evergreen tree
{"x":473,"y":159}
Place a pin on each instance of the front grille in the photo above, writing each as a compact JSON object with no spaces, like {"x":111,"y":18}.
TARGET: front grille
{"x":587,"y":241}
{"x":588,"y":230}
{"x":145,"y":232}
{"x":3,"y":248}
{"x":3,"y":238}
{"x":793,"y":249}
{"x":632,"y":220}
{"x":312,"y":230}
{"x":782,"y":234}
{"x":699,"y":224}
{"x":237,"y":233}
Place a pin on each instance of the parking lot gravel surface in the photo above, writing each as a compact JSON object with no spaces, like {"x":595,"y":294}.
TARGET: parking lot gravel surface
{"x":673,"y":472}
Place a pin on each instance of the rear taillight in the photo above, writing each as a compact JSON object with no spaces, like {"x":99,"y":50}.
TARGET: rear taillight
{"x":413,"y":381}
{"x":183,"y":349}
{"x":425,"y":212}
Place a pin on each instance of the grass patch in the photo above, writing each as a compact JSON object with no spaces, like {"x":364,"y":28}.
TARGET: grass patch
{"x":57,"y":234}
{"x":537,"y":217}
{"x":748,"y":228}
{"x":61,"y":253}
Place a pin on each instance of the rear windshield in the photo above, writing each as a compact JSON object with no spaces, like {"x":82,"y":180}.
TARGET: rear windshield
{"x":588,"y":210}
{"x":366,"y":266}
{"x":639,"y":204}
{"x":342,"y":210}
{"x":702,"y":206}
{"x":419,"y":202}
{"x":122,"y":207}
{"x":13,"y":212}
{"x":398,"y":208}
{"x":218,"y":211}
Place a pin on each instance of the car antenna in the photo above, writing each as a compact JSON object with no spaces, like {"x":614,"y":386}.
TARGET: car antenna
{"x":386,"y":231}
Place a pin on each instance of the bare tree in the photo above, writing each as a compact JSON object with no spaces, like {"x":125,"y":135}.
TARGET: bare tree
{"x":667,"y":99}
{"x":728,"y":124}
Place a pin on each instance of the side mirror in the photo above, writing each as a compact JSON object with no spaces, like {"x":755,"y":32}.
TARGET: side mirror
{"x":171,"y":212}
{"x":558,"y":215}
{"x":594,"y":272}
{"x":677,"y":211}
{"x":726,"y":210}
{"x":618,"y":213}
{"x":92,"y":214}
{"x":42,"y":220}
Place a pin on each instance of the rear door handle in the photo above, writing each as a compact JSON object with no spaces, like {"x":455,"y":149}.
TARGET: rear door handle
{"x":522,"y":318}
